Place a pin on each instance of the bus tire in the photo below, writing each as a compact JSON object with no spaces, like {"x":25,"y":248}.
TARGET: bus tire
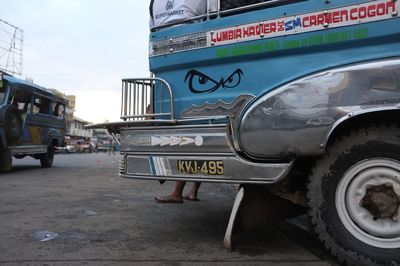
{"x":354,"y":197}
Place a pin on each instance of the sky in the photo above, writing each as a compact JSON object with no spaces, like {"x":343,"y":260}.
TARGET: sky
{"x":83,"y":47}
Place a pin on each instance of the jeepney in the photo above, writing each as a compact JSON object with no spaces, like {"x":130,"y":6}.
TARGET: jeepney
{"x":32,"y":122}
{"x":300,"y":97}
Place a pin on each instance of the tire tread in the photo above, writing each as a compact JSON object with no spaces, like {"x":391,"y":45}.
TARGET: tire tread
{"x":315,"y":200}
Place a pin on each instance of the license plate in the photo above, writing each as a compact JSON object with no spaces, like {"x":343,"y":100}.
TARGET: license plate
{"x":201,"y":167}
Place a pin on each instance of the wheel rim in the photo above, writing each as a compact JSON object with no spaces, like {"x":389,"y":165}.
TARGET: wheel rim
{"x":358,"y":220}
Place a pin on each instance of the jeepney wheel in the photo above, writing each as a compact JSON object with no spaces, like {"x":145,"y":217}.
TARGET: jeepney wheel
{"x":46,"y":159}
{"x":354,"y":197}
{"x":12,"y":123}
{"x":5,"y":161}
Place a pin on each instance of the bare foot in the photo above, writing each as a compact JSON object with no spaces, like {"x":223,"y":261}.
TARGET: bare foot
{"x":190,"y":197}
{"x":168,"y":199}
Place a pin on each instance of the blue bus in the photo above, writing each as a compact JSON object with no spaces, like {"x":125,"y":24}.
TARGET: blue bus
{"x":300,"y":98}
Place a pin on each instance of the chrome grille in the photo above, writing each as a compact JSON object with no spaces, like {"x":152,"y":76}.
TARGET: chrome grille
{"x":179,"y":44}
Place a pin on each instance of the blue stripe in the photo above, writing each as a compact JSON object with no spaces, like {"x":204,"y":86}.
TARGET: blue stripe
{"x":152,"y":166}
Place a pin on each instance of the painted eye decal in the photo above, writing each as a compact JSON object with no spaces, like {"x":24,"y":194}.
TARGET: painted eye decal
{"x":233,"y":80}
{"x":200,"y":83}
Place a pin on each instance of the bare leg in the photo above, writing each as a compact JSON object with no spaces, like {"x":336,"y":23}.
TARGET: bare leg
{"x":192,"y":195}
{"x":178,"y":190}
{"x":175,"y":196}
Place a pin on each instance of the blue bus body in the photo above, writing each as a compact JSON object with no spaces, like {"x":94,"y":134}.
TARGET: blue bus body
{"x":268,"y":63}
{"x":262,"y":94}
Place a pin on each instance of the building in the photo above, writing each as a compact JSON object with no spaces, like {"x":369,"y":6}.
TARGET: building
{"x":77,"y":130}
{"x":102,"y":139}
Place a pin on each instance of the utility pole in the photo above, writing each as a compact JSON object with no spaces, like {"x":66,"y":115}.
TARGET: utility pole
{"x":11,"y":48}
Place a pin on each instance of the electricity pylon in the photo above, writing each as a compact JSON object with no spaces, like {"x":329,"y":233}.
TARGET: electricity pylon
{"x":11,"y":42}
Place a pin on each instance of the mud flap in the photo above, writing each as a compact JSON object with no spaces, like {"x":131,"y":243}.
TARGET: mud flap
{"x":254,"y":208}
{"x":232,"y":219}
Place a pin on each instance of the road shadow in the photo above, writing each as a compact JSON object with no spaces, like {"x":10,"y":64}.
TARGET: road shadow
{"x":21,"y":168}
{"x":274,"y":239}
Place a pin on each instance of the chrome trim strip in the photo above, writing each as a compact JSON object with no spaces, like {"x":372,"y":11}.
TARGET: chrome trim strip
{"x":125,"y":124}
{"x":190,"y":179}
{"x":236,"y":169}
{"x":155,"y":153}
{"x":355,"y":114}
{"x":20,"y":150}
{"x":179,"y":139}
{"x":182,"y":126}
{"x":141,"y":124}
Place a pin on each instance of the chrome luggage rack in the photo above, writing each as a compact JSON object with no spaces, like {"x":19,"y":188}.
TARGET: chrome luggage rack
{"x":138,"y":105}
{"x":137,"y":101}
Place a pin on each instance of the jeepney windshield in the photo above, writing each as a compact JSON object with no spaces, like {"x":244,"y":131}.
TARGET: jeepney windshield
{"x":2,"y":91}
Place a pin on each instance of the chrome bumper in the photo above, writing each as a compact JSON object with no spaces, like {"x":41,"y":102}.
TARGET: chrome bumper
{"x":156,"y":153}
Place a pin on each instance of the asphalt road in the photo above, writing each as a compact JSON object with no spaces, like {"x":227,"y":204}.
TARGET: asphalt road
{"x":81,"y":213}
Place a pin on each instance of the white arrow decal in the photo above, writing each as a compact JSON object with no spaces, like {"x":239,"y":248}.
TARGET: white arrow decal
{"x":175,"y":141}
{"x":155,"y":141}
{"x":165,"y":141}
{"x":186,"y":141}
